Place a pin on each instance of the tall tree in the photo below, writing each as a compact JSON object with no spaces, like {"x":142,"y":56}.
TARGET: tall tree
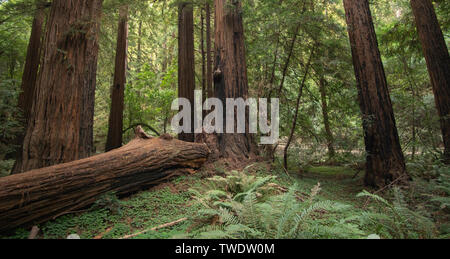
{"x":209,"y":72}
{"x":230,"y":74}
{"x":326,"y":119}
{"x":297,"y":106}
{"x":384,"y":159}
{"x":32,"y":61}
{"x":186,"y":76}
{"x":438,"y":63}
{"x":202,"y":49}
{"x":115,"y":128}
{"x":29,"y":75}
{"x":60,"y":128}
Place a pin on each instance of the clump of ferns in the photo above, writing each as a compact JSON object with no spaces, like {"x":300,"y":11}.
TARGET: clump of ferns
{"x":246,"y":206}
{"x":395,"y":219}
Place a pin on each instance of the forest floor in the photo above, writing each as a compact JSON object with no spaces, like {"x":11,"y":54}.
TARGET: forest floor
{"x":113,"y":218}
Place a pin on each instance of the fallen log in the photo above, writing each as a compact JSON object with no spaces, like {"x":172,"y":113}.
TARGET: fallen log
{"x":39,"y":195}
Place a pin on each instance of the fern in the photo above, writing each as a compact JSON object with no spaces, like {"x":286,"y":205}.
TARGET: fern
{"x":398,"y":221}
{"x":240,"y":205}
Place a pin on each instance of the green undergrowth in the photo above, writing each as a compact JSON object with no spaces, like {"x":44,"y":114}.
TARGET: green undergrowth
{"x":265,"y":201}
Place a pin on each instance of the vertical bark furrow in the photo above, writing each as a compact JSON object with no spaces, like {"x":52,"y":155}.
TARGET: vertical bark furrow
{"x":115,"y":128}
{"x":60,"y":127}
{"x":384,"y":158}
{"x":186,"y":73}
{"x":230,"y":73}
{"x":438,"y":63}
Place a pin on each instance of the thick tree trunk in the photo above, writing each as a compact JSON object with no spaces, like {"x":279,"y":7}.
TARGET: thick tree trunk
{"x":29,"y":76}
{"x":326,"y":120}
{"x":384,"y":159}
{"x":32,"y":62}
{"x":230,"y":75}
{"x":43,"y":194}
{"x":60,"y":127}
{"x":438,"y":63}
{"x":186,"y":76}
{"x":209,"y":72}
{"x":115,"y":128}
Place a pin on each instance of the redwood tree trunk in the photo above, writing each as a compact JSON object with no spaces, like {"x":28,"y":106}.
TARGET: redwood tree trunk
{"x":186,"y":76}
{"x":43,"y":194}
{"x":438,"y":63}
{"x":202,"y":49}
{"x":326,"y":120}
{"x":230,"y":76}
{"x":384,"y":159}
{"x":115,"y":128}
{"x":32,"y":62}
{"x":29,"y":76}
{"x":60,"y":127}
{"x":209,"y":73}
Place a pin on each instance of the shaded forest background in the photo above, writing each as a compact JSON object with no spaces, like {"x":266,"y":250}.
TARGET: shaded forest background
{"x":298,"y":51}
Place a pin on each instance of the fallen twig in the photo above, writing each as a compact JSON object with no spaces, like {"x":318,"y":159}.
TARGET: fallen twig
{"x":34,"y":232}
{"x":104,"y":233}
{"x":155,"y":228}
{"x":384,"y":188}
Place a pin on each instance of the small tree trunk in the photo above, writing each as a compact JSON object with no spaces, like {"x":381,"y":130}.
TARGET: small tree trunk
{"x":202,"y":48}
{"x":60,"y":128}
{"x":297,"y":106}
{"x":139,"y":51}
{"x":438,"y":63}
{"x":326,"y":120}
{"x":115,"y":127}
{"x":209,"y":72}
{"x":384,"y":159}
{"x":186,"y":76}
{"x":288,"y":59}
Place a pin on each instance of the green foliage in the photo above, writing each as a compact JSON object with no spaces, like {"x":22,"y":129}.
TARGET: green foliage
{"x":10,"y":117}
{"x":442,"y":184}
{"x":241,"y":205}
{"x":5,"y":167}
{"x":115,"y":218}
{"x":110,"y":202}
{"x":396,"y":220}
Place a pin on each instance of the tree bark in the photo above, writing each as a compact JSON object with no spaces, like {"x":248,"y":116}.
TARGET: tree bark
{"x":186,"y":76}
{"x":202,"y":48}
{"x":438,"y":63}
{"x":44,"y":194}
{"x":115,"y":128}
{"x":384,"y":159}
{"x":230,"y":75}
{"x":326,"y":120}
{"x":29,"y":76}
{"x":209,"y":72}
{"x":32,"y":62}
{"x":139,"y":50}
{"x":60,"y":128}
